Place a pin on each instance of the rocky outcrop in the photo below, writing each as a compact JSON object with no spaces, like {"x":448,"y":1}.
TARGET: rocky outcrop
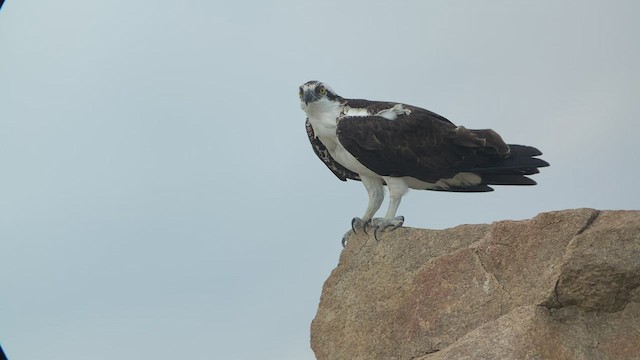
{"x":564,"y":285}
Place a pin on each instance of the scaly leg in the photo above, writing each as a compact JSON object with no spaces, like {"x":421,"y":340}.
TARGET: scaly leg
{"x":397,"y":189}
{"x":376,"y":195}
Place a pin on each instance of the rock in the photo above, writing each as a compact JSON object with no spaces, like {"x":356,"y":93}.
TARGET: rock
{"x":564,"y":285}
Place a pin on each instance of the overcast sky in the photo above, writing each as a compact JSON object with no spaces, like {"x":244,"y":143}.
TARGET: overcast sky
{"x":158,"y":195}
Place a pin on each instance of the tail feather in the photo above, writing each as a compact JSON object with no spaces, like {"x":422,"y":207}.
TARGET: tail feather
{"x":512,"y":170}
{"x":523,"y":150}
{"x":506,"y":179}
{"x":474,"y":188}
{"x":511,"y":163}
{"x":522,"y":171}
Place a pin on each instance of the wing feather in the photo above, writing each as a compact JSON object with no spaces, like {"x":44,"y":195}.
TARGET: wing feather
{"x":428,"y":147}
{"x":416,"y":145}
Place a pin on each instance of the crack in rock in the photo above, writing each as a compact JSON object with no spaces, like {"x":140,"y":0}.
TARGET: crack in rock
{"x":428,"y":352}
{"x":589,"y":222}
{"x":492,"y":274}
{"x":554,"y":302}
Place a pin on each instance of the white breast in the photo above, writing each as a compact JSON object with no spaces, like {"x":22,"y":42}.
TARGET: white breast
{"x":323,"y":115}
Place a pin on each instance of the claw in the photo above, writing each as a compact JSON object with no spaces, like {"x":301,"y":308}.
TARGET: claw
{"x":357,"y":223}
{"x":353,"y":227}
{"x":391,"y":224}
{"x":364,"y":226}
{"x":376,"y":232}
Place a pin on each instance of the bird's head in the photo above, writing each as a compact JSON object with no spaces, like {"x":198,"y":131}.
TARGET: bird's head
{"x":315,"y":92}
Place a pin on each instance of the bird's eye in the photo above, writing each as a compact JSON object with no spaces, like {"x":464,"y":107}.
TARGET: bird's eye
{"x":301,"y":92}
{"x":322,"y":91}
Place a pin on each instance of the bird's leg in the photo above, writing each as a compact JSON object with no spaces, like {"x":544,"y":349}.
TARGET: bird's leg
{"x":397,"y":188}
{"x":376,"y":195}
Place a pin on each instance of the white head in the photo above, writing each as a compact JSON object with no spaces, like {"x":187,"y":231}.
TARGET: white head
{"x":313,"y":93}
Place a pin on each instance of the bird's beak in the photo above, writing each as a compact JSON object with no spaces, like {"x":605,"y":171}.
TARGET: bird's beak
{"x":309,"y":96}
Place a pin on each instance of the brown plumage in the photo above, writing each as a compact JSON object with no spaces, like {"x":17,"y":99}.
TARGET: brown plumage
{"x":428,"y":147}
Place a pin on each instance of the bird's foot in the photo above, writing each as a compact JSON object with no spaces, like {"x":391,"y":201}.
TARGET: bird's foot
{"x":383,"y":224}
{"x":359,"y":224}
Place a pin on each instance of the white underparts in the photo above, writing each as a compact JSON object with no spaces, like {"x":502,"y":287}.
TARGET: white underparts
{"x":323,"y":115}
{"x":459,"y":180}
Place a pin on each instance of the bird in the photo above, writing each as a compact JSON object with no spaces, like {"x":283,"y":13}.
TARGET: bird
{"x":402,"y":147}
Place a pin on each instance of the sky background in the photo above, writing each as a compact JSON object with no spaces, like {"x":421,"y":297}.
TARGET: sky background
{"x":159,"y":198}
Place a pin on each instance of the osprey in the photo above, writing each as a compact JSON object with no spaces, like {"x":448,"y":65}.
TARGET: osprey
{"x":402,"y":146}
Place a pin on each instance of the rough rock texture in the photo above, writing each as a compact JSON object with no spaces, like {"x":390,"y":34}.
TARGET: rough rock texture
{"x":564,"y":285}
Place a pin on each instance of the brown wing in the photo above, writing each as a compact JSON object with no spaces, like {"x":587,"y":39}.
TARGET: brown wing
{"x":318,"y":147}
{"x":425,"y":147}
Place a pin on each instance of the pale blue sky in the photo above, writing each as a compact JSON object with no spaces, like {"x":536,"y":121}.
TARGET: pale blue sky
{"x":158,"y":195}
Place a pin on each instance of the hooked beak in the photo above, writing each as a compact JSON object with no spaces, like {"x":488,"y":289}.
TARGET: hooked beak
{"x":309,"y":96}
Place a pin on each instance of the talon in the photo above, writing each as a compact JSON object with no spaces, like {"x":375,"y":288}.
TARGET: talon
{"x":364,"y":226}
{"x":376,"y":232}
{"x":357,"y":223}
{"x":353,"y":227}
{"x":390,"y":224}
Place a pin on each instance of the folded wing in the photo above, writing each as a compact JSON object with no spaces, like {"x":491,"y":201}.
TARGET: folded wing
{"x":425,"y":146}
